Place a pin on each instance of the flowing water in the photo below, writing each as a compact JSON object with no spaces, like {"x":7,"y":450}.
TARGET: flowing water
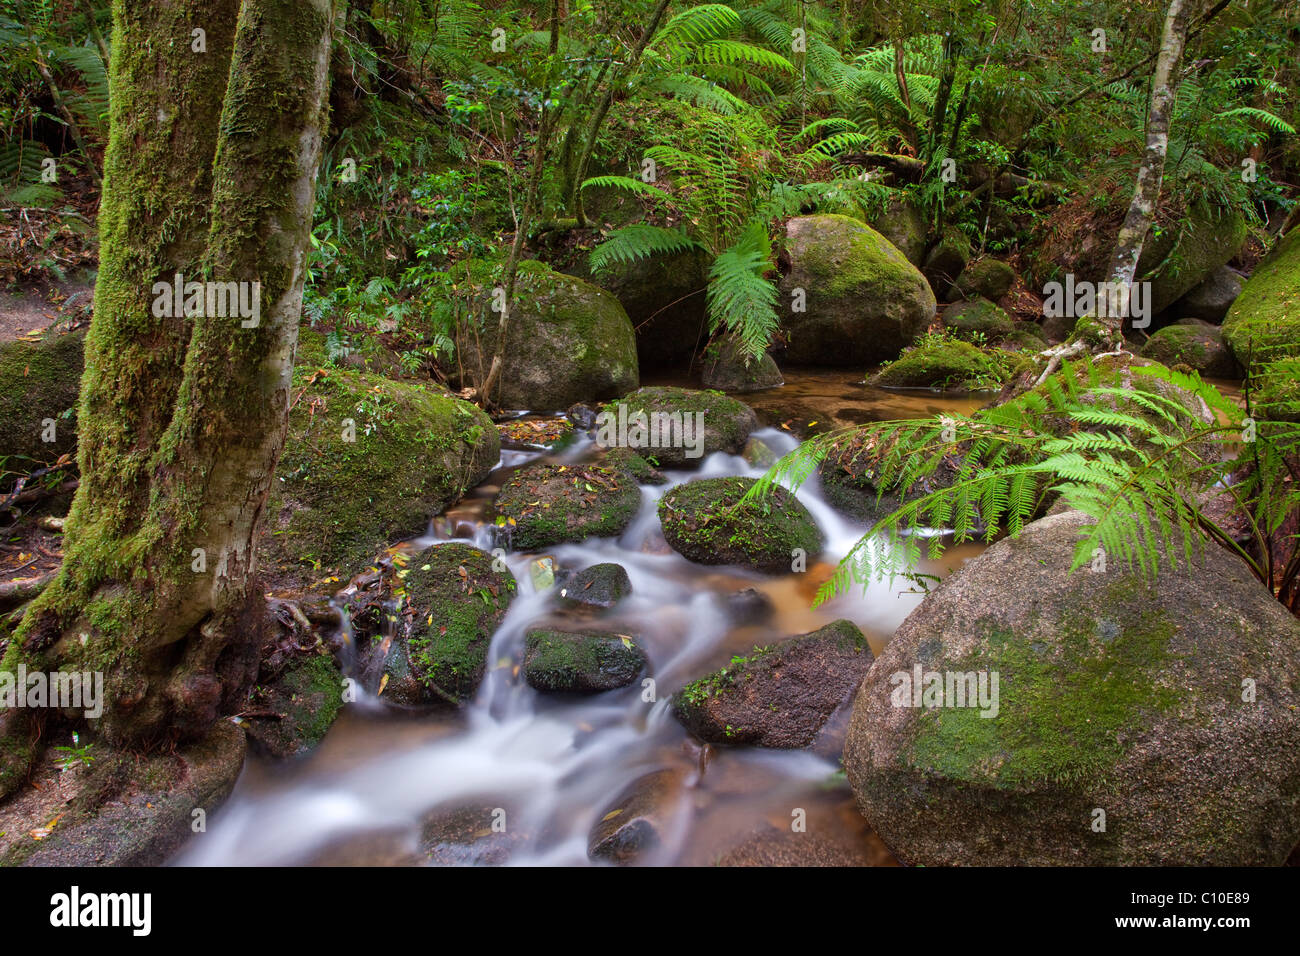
{"x":520,"y":777}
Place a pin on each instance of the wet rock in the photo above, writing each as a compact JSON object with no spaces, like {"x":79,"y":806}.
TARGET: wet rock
{"x":727,"y":422}
{"x":552,"y":504}
{"x":978,"y":315}
{"x":1212,"y":299}
{"x":778,"y":696}
{"x":307,"y":695}
{"x":903,"y":223}
{"x":601,"y":585}
{"x":455,"y":599}
{"x":40,"y":380}
{"x":748,"y":606}
{"x":987,"y":278}
{"x":470,"y":836}
{"x":706,"y":522}
{"x":1114,"y":694}
{"x":580,"y":662}
{"x":635,"y":466}
{"x":568,"y":341}
{"x":864,"y":301}
{"x":1200,"y":347}
{"x":634,"y":825}
{"x":582,"y":416}
{"x":368,"y":461}
{"x":726,"y":368}
{"x":757,"y":453}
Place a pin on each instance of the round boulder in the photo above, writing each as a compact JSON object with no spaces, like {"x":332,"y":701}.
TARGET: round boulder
{"x":1026,"y":715}
{"x":455,"y":598}
{"x":1198,"y":346}
{"x":676,"y":426}
{"x":863,"y":300}
{"x":568,"y":341}
{"x":706,"y":522}
{"x":544,"y":505}
{"x":581,"y":662}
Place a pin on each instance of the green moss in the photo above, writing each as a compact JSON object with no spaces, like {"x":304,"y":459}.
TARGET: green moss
{"x":850,"y":254}
{"x":583,"y":662}
{"x":1178,"y":343}
{"x":1067,"y":712}
{"x":39,"y":381}
{"x":335,"y":502}
{"x":978,"y":316}
{"x":456,"y":598}
{"x":1263,"y":327}
{"x":706,"y":522}
{"x":946,"y":364}
{"x":551,"y":504}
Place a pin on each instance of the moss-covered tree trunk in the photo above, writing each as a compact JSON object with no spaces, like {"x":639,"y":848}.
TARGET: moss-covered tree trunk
{"x":210,"y":173}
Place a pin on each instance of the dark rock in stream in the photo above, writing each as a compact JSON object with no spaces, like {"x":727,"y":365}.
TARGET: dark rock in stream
{"x":601,"y":585}
{"x":303,"y":700}
{"x":584,"y":662}
{"x":634,"y":825}
{"x":552,"y":504}
{"x":706,"y":522}
{"x":670,"y":417}
{"x":779,"y":696}
{"x":456,"y":596}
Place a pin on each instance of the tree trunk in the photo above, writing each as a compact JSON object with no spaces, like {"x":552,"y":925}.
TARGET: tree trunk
{"x":210,"y":172}
{"x":525,"y":218}
{"x":1141,"y":211}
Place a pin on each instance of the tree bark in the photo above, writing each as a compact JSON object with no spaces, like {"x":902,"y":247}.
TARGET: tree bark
{"x":525,"y":218}
{"x":210,"y":172}
{"x":1141,"y":211}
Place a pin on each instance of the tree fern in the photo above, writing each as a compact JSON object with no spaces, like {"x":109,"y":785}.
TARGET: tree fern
{"x":1137,"y":460}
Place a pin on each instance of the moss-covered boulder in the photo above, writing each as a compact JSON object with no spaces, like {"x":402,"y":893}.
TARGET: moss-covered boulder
{"x":601,"y":585}
{"x":635,"y":466}
{"x":706,"y":522}
{"x":1263,"y":326}
{"x":778,"y":696}
{"x":39,"y":385}
{"x":1135,"y":699}
{"x":670,"y":431}
{"x":728,"y":369}
{"x":1199,"y":346}
{"x":542,"y":505}
{"x":863,"y":301}
{"x":902,"y":223}
{"x":368,"y":462}
{"x":580,"y":662}
{"x":989,"y":278}
{"x":454,"y":599}
{"x":568,"y":341}
{"x":978,"y":315}
{"x":946,"y":364}
{"x":304,"y":698}
{"x":946,"y":260}
{"x":1190,"y":254}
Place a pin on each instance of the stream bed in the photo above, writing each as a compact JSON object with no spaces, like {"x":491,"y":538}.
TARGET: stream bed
{"x":524,"y":778}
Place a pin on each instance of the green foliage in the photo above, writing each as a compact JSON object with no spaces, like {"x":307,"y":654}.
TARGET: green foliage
{"x":1132,"y":457}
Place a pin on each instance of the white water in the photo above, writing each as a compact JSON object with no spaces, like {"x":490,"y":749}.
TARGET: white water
{"x":555,"y":764}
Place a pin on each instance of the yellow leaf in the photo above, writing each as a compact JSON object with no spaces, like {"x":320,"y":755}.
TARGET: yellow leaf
{"x":611,"y":815}
{"x":383,"y":682}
